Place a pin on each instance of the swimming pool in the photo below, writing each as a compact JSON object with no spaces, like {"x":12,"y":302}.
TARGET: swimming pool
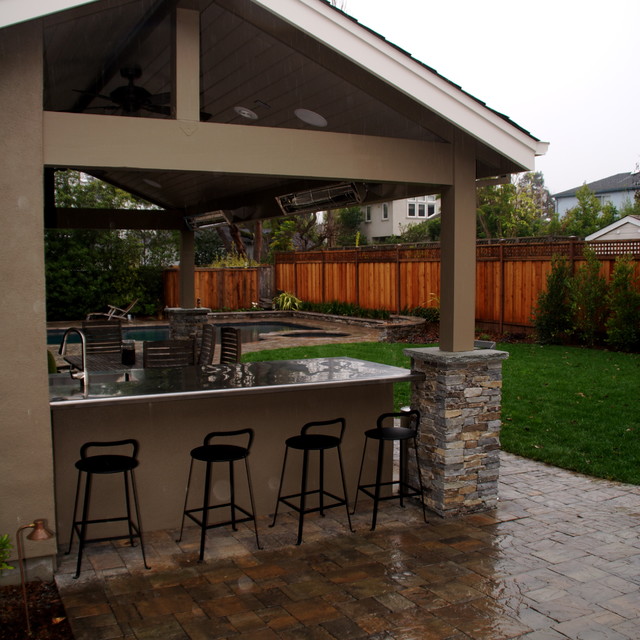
{"x":250,"y":331}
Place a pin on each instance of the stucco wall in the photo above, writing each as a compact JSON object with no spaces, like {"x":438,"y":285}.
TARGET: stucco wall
{"x":26,"y":481}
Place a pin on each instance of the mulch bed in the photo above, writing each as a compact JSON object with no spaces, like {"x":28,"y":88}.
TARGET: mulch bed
{"x":46,"y":613}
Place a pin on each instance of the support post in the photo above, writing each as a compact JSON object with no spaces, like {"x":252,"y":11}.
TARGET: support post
{"x":187,"y":269}
{"x":458,"y":251}
{"x":459,"y":441}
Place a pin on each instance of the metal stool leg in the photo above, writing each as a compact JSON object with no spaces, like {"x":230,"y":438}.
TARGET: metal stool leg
{"x":364,"y":451}
{"x":344,"y":488}
{"x":419,"y":471}
{"x":83,"y":525}
{"x":186,"y":498}
{"x":205,"y":510}
{"x":253,"y":505}
{"x":128,"y":506}
{"x":232,"y":490}
{"x":137,"y":508}
{"x":376,"y":499}
{"x":75,"y":512}
{"x":303,"y":494}
{"x":284,"y":465}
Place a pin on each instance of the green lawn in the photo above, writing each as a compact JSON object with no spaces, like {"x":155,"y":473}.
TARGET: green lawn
{"x":574,"y":408}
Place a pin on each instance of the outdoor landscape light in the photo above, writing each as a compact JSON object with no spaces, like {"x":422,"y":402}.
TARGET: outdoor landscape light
{"x":40,"y":532}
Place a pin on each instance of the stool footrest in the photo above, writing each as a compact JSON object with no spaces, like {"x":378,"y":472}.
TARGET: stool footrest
{"x":248,"y":516}
{"x":405,"y":490}
{"x":136,"y":531}
{"x":339,"y":502}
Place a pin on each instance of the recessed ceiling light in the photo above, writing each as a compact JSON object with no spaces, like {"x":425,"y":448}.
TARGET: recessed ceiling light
{"x":152,"y":183}
{"x":311,"y":117}
{"x":246,"y":113}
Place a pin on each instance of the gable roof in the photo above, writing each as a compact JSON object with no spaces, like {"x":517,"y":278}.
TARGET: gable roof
{"x":15,"y":11}
{"x":618,"y":182}
{"x":261,"y":63}
{"x":627,"y":220}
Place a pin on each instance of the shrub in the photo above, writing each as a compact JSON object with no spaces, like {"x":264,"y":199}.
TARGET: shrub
{"x":5,"y":551}
{"x":337,"y":308}
{"x":623,"y":324}
{"x":552,"y":316}
{"x":286,"y":302}
{"x":430,"y":314}
{"x":588,"y":301}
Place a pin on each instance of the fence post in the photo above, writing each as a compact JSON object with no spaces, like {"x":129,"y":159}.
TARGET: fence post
{"x":501,"y":256}
{"x":398,"y":278}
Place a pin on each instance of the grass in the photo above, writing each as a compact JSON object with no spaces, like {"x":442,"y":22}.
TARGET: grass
{"x":574,"y":408}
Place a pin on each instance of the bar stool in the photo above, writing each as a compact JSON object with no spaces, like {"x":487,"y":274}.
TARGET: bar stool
{"x":307,"y":442}
{"x":213,"y":453}
{"x":392,"y":434}
{"x":104,"y":464}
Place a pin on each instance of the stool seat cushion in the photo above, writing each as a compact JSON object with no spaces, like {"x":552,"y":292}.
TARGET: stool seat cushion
{"x":390,"y":433}
{"x":312,"y":442}
{"x":219,"y":453}
{"x":106,"y":464}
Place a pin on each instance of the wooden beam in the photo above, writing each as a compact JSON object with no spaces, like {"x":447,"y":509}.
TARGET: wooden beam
{"x":85,"y":218}
{"x":186,"y":54}
{"x":86,"y":141}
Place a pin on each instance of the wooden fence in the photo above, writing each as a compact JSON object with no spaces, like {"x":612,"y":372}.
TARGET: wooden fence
{"x":510,"y":274}
{"x":224,"y":288}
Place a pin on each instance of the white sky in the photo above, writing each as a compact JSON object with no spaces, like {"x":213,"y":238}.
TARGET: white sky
{"x":567,"y":71}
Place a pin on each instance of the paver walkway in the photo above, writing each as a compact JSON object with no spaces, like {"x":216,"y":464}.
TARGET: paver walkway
{"x":559,"y":558}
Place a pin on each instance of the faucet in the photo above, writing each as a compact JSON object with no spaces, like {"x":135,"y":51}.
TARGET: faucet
{"x":83,"y":374}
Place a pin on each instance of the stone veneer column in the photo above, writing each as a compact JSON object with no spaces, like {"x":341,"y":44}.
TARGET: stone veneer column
{"x":459,"y":443}
{"x":186,"y":323}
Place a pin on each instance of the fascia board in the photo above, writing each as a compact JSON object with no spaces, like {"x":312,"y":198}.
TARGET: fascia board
{"x":15,"y":11}
{"x":408,"y":76}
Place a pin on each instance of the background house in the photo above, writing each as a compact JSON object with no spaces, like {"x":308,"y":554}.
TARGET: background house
{"x":392,"y":218}
{"x":616,"y":189}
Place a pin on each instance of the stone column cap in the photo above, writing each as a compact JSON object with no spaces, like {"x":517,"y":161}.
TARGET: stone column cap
{"x":435,"y":355}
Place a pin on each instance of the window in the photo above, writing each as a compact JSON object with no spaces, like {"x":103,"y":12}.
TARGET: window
{"x":385,"y":211}
{"x":367,"y":214}
{"x":411,"y":210}
{"x":422,"y":207}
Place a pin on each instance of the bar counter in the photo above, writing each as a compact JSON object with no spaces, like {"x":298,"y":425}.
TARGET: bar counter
{"x":169,"y":411}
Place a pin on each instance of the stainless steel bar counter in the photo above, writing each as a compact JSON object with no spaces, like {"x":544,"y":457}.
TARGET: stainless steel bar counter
{"x":169,"y":411}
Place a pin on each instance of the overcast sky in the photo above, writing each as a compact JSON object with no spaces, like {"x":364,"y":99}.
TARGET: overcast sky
{"x":565,"y":70}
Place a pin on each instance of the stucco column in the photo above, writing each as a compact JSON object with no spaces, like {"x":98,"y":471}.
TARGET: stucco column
{"x":458,"y":250}
{"x":26,"y":481}
{"x":459,"y":445}
{"x":187,"y":269}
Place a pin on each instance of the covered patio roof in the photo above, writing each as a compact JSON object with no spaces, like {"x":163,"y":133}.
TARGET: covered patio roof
{"x":313,"y":97}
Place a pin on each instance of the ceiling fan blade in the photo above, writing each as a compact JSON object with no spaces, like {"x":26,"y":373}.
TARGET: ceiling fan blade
{"x":160,"y":98}
{"x":94,"y":95}
{"x":154,"y":108}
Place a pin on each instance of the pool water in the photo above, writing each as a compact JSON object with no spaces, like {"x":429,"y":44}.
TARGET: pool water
{"x":250,"y":331}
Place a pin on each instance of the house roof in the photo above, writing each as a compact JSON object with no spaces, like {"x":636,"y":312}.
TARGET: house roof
{"x":618,"y":182}
{"x":631,"y":220}
{"x":261,"y":63}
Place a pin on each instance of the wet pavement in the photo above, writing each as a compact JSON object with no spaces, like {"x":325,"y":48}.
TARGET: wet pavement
{"x":559,"y":558}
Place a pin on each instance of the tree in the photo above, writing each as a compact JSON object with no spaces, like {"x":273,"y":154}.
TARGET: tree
{"x":86,"y":269}
{"x":348,"y":223}
{"x":589,"y":215}
{"x":521,"y":208}
{"x":425,"y":231}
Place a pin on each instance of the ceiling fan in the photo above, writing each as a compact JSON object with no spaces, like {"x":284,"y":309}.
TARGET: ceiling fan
{"x":130,"y":99}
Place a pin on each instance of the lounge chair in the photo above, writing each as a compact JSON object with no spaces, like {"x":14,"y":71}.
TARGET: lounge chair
{"x":114,"y":312}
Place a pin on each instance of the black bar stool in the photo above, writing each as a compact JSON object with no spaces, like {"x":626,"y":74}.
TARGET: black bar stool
{"x":104,"y":464}
{"x":306,"y":442}
{"x":401,"y":435}
{"x":212,"y":453}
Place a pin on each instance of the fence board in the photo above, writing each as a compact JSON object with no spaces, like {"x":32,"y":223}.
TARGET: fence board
{"x":509,"y":275}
